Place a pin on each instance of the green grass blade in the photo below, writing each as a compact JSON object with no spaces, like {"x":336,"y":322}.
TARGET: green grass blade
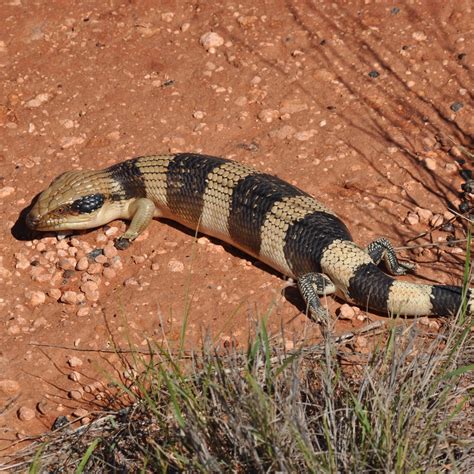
{"x":87,"y":455}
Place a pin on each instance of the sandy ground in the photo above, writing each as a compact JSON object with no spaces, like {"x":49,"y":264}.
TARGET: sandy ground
{"x":363,"y":104}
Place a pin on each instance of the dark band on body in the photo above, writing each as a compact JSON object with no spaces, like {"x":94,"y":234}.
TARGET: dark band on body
{"x":370,"y":287}
{"x":446,"y":299}
{"x":186,"y":181}
{"x":129,"y":180}
{"x":252,"y":198}
{"x":307,"y":238}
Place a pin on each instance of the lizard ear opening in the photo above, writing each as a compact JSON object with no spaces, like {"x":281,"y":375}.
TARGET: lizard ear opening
{"x":88,"y":204}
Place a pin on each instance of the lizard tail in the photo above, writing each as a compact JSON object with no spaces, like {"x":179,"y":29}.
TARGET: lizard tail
{"x":371,"y":288}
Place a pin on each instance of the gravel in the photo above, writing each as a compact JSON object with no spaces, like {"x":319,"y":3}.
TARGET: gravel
{"x":74,"y":361}
{"x":9,"y":387}
{"x":456,"y":106}
{"x":35,"y":298}
{"x":210,"y":41}
{"x":26,"y":414}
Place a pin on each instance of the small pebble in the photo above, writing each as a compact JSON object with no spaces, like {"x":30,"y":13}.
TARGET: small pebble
{"x":35,"y":298}
{"x":62,"y":245}
{"x":268,"y":115}
{"x":70,"y":297}
{"x":130,"y":282}
{"x":93,"y":387}
{"x":287,"y":131}
{"x":101,"y":259}
{"x":117,"y":263}
{"x":289,"y":345}
{"x":110,"y":251}
{"x":39,"y":100}
{"x":451,"y":167}
{"x":130,"y":374}
{"x":44,"y":407}
{"x":9,"y":387}
{"x":210,"y":41}
{"x":26,"y":414}
{"x":68,"y":142}
{"x":448,"y":215}
{"x":435,"y":325}
{"x":74,"y":376}
{"x":424,"y":214}
{"x":22,"y":262}
{"x":82,"y":264}
{"x":430,"y":164}
{"x":91,"y":290}
{"x":456,"y":106}
{"x":175,"y":266}
{"x":412,"y":218}
{"x":138,"y":259}
{"x":304,"y":135}
{"x":437,"y":220}
{"x":110,"y":231}
{"x":424,"y":321}
{"x":418,"y":36}
{"x":146,"y":233}
{"x":109,"y":273}
{"x":67,"y":263}
{"x":94,"y":253}
{"x":199,"y":115}
{"x":89,"y":286}
{"x":347,"y":312}
{"x":361,"y":344}
{"x":241,"y":101}
{"x":5,"y":273}
{"x":37,"y":274}
{"x":94,"y":268}
{"x":6,"y":191}
{"x":72,"y":251}
{"x":76,"y":394}
{"x":14,"y":330}
{"x":83,"y":312}
{"x":74,"y":361}
{"x":292,"y":106}
{"x":80,"y":412}
{"x":374,"y":74}
{"x":40,"y":322}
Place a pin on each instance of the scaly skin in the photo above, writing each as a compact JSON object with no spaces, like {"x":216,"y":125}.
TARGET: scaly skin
{"x":262,"y":215}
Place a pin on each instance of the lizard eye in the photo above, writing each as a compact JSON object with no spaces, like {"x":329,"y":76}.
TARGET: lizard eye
{"x":61,"y":209}
{"x":87,"y":204}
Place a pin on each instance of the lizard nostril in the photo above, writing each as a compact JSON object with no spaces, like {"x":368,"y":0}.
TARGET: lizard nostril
{"x":32,"y":221}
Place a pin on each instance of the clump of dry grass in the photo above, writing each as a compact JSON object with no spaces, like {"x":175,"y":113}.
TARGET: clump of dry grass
{"x":403,"y":409}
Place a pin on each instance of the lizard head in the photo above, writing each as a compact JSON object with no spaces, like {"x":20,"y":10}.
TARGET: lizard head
{"x":74,"y":200}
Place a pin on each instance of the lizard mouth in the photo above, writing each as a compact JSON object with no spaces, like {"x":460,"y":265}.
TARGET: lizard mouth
{"x":53,"y":221}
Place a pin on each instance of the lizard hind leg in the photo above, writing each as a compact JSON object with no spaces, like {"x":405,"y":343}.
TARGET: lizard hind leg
{"x":311,"y":285}
{"x":382,"y":249}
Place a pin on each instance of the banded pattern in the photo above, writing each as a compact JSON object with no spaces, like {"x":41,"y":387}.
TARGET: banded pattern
{"x":261,"y":214}
{"x":218,"y":198}
{"x":279,"y":234}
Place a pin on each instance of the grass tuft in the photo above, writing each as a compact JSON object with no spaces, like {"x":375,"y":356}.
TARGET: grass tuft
{"x":403,"y":408}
